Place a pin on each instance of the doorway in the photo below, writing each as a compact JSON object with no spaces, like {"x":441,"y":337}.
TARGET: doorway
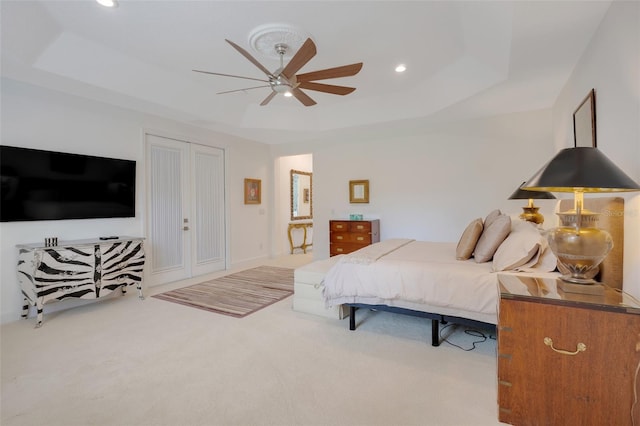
{"x":284,"y":165}
{"x":185,"y":209}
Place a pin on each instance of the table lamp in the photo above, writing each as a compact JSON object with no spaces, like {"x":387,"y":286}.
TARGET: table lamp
{"x":579,"y":246}
{"x":530,"y":212}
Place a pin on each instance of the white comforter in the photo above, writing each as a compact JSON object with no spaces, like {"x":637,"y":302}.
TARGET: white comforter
{"x":418,"y":275}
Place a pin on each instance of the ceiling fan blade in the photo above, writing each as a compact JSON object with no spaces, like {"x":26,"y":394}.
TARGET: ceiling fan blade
{"x":230,"y":75}
{"x":268,"y":98}
{"x":302,"y":56}
{"x":303,"y":97}
{"x":250,"y":58}
{"x":327,"y":88}
{"x":343,"y":71}
{"x":242,"y":90}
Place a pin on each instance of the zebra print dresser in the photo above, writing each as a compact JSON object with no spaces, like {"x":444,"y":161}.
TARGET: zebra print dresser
{"x":86,"y":269}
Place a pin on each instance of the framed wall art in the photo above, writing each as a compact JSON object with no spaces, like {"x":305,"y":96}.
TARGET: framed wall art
{"x":252,"y":191}
{"x":358,"y":191}
{"x":584,"y":122}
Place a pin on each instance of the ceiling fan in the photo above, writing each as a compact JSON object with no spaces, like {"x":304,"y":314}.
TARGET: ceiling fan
{"x":285,"y":80}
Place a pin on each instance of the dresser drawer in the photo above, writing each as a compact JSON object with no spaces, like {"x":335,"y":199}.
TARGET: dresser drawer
{"x":351,"y":226}
{"x":339,"y":226}
{"x":341,"y":237}
{"x":360,"y":227}
{"x":543,"y":373}
{"x":344,"y":248}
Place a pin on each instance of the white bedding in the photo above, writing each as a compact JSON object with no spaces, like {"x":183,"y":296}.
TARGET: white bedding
{"x":418,"y":275}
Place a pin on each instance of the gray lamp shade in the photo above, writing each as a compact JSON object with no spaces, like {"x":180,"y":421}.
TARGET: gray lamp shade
{"x":523,"y":194}
{"x":585,"y":169}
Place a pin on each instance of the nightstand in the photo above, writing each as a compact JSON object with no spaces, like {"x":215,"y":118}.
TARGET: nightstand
{"x":566,"y":358}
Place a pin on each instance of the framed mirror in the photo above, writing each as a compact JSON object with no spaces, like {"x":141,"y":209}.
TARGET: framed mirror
{"x":584,"y":122}
{"x":301,"y":195}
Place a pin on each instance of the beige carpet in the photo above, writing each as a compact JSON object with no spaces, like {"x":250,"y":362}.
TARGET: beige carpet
{"x":129,"y":362}
{"x":236,"y":295}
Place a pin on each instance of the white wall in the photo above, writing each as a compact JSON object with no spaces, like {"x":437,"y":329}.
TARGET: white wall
{"x":611,"y":66}
{"x":38,"y":118}
{"x":429,"y":184}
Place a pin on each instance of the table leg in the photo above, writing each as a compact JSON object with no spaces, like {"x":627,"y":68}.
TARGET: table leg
{"x":25,"y":308}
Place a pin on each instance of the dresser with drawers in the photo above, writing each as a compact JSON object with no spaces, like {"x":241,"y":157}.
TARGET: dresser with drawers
{"x":85,"y":269}
{"x":566,"y":358}
{"x":347,"y":236}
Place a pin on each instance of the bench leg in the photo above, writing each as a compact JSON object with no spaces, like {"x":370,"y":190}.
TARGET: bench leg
{"x":352,"y":317}
{"x":435,"y":332}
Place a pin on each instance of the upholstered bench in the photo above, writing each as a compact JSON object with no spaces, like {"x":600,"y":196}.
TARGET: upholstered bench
{"x":307,"y":288}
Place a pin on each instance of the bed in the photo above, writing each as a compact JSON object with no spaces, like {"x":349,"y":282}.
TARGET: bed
{"x":432,"y":280}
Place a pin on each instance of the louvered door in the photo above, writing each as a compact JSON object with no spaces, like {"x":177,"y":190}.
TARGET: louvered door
{"x":185,"y":209}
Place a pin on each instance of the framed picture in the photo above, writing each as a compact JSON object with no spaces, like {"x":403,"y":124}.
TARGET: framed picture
{"x":584,"y":122}
{"x":358,"y":191}
{"x":252,"y":191}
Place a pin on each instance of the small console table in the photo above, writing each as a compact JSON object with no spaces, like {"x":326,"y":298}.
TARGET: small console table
{"x":86,"y":269}
{"x":304,"y":244}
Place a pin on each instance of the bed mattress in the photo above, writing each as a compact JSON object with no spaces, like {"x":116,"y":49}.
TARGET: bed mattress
{"x":417,"y":275}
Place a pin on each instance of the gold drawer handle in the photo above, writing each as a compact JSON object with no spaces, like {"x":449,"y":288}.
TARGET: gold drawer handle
{"x":338,"y":237}
{"x":360,"y":238}
{"x":580,"y":348}
{"x":359,"y":227}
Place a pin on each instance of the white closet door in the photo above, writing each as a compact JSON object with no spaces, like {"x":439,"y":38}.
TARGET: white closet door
{"x":185,"y":209}
{"x":167,"y":209}
{"x":207,"y":209}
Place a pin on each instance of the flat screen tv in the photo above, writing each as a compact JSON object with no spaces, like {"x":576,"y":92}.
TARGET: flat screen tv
{"x":46,"y":185}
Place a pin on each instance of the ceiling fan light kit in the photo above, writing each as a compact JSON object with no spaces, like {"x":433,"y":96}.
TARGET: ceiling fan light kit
{"x":284,"y":80}
{"x":108,"y":3}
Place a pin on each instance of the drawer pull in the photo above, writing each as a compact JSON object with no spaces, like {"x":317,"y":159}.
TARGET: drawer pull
{"x":338,"y":237}
{"x":339,"y":249}
{"x":580,"y":348}
{"x":359,"y":227}
{"x":360,"y":238}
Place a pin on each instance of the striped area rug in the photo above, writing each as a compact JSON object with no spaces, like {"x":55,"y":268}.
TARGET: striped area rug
{"x":236,"y":295}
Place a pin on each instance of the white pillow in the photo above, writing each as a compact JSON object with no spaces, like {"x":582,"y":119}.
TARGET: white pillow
{"x":521,"y":246}
{"x":493,"y":215}
{"x":468,"y":240}
{"x":546,"y":263}
{"x":491,"y":238}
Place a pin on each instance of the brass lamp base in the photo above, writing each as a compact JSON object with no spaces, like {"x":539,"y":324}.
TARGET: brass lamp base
{"x":579,"y":251}
{"x":595,"y":289}
{"x":531,"y":214}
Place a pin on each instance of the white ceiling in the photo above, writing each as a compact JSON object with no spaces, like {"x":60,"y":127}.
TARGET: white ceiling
{"x":464,"y":59}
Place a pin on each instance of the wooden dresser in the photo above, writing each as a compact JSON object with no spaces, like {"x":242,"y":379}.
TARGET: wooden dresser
{"x":566,"y":358}
{"x":350,"y":235}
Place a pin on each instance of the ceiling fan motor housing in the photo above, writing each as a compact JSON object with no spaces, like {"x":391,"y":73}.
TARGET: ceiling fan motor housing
{"x":280,"y":86}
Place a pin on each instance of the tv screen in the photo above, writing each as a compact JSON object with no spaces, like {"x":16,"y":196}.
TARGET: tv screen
{"x":46,"y":185}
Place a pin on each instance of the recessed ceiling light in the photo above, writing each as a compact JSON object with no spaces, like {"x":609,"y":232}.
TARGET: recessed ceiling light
{"x":108,"y":3}
{"x":401,"y":68}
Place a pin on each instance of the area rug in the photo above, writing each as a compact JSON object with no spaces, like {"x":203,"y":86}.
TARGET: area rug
{"x":236,"y":295}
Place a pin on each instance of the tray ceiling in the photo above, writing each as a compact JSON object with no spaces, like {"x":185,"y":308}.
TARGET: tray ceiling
{"x":464,"y":59}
